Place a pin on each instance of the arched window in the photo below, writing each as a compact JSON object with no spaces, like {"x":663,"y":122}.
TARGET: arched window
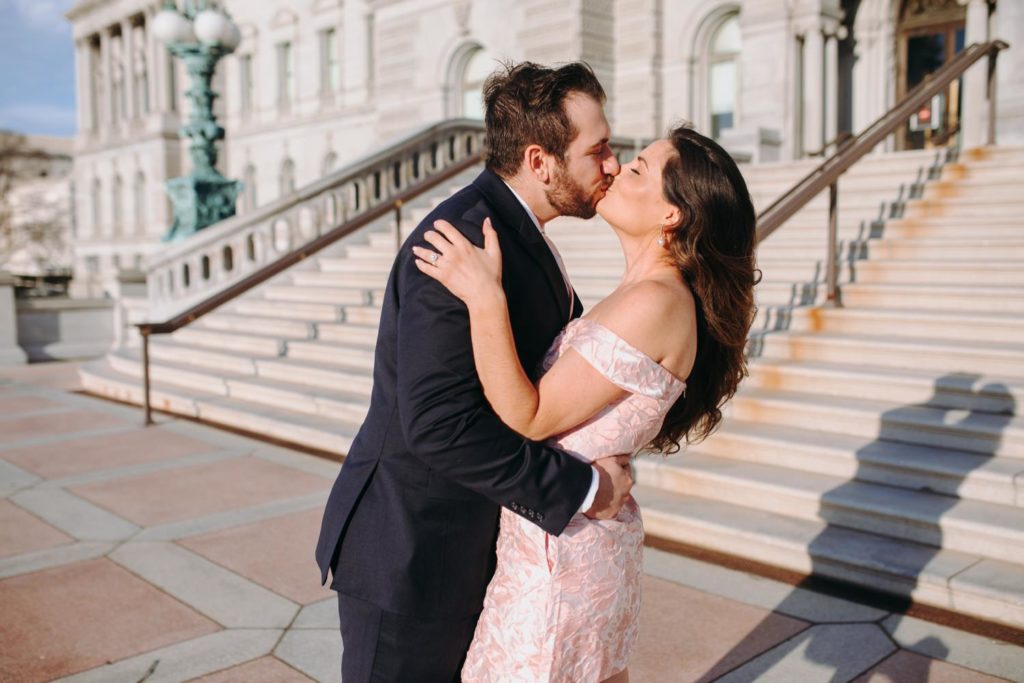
{"x":139,"y":192}
{"x":477,"y":69}
{"x":286,"y":182}
{"x":723,"y":75}
{"x":117,"y":206}
{"x":249,"y":189}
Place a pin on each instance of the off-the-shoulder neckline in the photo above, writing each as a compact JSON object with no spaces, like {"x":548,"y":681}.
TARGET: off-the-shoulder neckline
{"x":672,"y":376}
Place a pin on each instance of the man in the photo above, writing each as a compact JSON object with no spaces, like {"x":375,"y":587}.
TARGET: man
{"x":411,"y":522}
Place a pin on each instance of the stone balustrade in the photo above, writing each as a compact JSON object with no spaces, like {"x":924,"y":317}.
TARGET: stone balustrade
{"x":186,"y":273}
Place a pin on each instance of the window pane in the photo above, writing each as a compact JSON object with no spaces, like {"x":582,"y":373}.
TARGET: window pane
{"x":727,"y":38}
{"x":723,"y":95}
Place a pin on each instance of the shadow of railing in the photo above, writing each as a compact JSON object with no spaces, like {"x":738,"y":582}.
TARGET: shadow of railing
{"x":881,"y":479}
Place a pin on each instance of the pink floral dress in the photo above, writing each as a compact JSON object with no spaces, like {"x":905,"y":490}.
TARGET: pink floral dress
{"x":564,"y":609}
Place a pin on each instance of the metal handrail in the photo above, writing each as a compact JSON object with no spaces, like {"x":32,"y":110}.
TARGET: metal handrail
{"x":296,"y":256}
{"x":827,"y":174}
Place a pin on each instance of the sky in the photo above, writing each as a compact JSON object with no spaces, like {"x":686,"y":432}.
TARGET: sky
{"x":37,"y":67}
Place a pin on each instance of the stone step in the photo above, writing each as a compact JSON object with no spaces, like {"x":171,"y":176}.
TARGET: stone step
{"x":356,"y":266}
{"x":886,"y":351}
{"x":959,"y":208}
{"x":934,"y":297}
{"x":976,"y":432}
{"x":128,"y":362}
{"x":231,"y":341}
{"x":286,"y":396}
{"x":199,"y":357}
{"x":312,"y":312}
{"x":962,"y":582}
{"x":272,"y":327}
{"x":363,"y":315}
{"x":985,"y":529}
{"x":321,"y":351}
{"x":318,"y":278}
{"x":964,"y":230}
{"x":949,"y":249}
{"x":323,"y":295}
{"x":99,"y":377}
{"x":968,"y":273}
{"x":363,"y":336}
{"x":892,"y":463}
{"x":907,"y":385}
{"x":316,"y":375}
{"x":314,"y":431}
{"x":960,"y":326}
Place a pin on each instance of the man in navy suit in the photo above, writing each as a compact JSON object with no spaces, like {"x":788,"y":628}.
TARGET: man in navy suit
{"x":410,"y":525}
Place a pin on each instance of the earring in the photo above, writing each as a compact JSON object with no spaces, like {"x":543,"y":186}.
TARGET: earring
{"x":661,"y":241}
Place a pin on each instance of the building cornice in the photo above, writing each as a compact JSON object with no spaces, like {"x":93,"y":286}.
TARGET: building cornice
{"x":83,"y":7}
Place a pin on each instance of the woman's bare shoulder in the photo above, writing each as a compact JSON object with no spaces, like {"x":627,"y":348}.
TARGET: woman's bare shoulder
{"x":654,"y":315}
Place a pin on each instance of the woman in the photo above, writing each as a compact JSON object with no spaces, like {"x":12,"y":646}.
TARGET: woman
{"x":650,"y":365}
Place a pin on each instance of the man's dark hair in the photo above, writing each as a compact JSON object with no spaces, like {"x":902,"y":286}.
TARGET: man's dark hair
{"x":525,"y":105}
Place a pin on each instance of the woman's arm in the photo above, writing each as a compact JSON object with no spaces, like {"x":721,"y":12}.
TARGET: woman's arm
{"x":569,"y":393}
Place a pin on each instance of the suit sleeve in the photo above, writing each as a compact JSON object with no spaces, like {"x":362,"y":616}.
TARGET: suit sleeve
{"x":448,"y":422}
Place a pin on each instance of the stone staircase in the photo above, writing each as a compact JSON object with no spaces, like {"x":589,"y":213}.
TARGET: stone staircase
{"x":878,"y":443}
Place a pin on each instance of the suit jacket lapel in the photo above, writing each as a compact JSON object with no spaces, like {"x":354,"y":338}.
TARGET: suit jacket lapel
{"x":513,"y":217}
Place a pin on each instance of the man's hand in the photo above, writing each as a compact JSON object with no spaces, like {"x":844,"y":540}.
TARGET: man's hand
{"x":615,"y":479}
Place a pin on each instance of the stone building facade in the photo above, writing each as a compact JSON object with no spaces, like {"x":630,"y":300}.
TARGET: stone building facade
{"x":316,"y":84}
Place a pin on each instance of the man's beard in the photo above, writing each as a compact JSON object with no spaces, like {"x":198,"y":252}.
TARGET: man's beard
{"x":567,"y":197}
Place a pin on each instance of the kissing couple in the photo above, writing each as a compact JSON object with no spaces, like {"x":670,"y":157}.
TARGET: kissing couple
{"x":482,"y":528}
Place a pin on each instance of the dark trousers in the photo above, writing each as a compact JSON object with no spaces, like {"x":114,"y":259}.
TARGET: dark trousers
{"x":383,"y":647}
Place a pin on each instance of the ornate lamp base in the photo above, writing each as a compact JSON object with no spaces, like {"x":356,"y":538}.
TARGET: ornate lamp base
{"x":199,"y":202}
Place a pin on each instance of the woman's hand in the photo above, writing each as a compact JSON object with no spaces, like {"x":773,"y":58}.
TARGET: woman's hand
{"x":472,"y":274}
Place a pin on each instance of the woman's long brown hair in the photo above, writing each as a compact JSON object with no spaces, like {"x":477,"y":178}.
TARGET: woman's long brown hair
{"x":714,"y":249}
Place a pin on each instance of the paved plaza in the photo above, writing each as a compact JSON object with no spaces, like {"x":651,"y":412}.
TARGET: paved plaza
{"x":180,"y":552}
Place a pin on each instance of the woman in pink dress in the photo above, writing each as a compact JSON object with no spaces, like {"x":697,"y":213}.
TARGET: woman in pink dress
{"x":649,"y":366}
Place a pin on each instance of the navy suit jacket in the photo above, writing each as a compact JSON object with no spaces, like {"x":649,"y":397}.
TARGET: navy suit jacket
{"x":412,"y":519}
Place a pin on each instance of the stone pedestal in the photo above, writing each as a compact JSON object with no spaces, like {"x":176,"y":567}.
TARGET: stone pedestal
{"x":200,"y":202}
{"x":10,"y":352}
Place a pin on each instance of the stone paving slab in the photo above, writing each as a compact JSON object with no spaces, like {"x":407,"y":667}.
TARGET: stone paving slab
{"x":274,"y":553}
{"x":104,"y":451}
{"x":21,"y":532}
{"x":222,"y":595}
{"x":199,"y":490}
{"x":262,"y":670}
{"x":188,"y":660}
{"x":74,"y":516}
{"x":61,"y":620}
{"x":904,"y":667}
{"x":206,"y":573}
{"x":824,"y":653}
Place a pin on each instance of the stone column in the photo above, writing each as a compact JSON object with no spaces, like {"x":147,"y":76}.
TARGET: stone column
{"x":106,"y":64}
{"x":131,"y":109}
{"x":974,"y":115}
{"x":82,"y":76}
{"x":10,"y":352}
{"x":831,"y":86}
{"x":154,"y":75}
{"x":813,"y":89}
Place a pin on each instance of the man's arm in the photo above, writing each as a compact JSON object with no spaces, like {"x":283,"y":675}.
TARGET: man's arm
{"x":448,"y":423}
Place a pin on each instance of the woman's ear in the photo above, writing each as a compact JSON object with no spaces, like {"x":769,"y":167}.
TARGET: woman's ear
{"x":672,"y":219}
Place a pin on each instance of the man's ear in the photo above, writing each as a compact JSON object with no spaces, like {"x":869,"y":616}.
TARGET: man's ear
{"x":538,"y":163}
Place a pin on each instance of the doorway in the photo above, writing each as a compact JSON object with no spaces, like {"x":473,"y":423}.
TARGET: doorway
{"x":929,"y":34}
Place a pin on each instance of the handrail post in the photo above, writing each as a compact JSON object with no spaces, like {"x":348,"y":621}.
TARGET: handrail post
{"x":398,"y":225}
{"x":991,"y":88}
{"x":144,"y":331}
{"x":832,"y":272}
